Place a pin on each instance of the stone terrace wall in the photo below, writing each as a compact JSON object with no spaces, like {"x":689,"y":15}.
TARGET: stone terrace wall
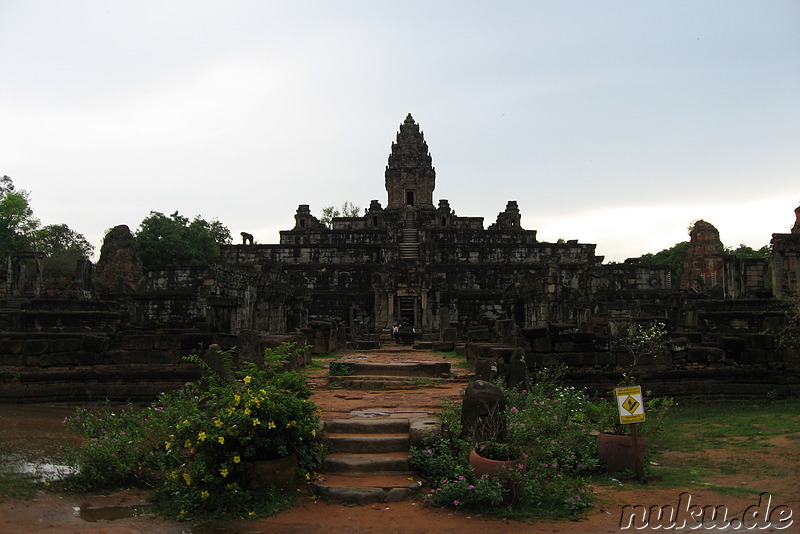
{"x":735,"y":365}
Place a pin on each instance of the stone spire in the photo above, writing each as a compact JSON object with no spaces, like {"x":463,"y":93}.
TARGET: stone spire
{"x":410,"y":176}
{"x":796,"y":227}
{"x":702,"y":266}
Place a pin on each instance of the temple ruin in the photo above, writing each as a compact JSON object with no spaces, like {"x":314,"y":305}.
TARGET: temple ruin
{"x":447,"y":279}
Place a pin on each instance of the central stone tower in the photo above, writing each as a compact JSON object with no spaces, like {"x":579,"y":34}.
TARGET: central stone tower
{"x":410,"y":176}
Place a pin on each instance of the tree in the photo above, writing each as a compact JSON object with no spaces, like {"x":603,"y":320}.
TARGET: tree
{"x":175,"y":240}
{"x":17,"y":223}
{"x":60,"y":238}
{"x":744,"y":252}
{"x":671,"y":257}
{"x":64,"y":247}
{"x":329,"y":212}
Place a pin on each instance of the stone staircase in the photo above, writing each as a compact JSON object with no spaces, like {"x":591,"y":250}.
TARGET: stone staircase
{"x":369,"y":453}
{"x":366,"y":375}
{"x":409,"y":239}
{"x":368,"y":463}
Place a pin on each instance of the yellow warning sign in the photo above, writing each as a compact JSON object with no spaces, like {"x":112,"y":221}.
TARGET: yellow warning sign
{"x":630,"y":404}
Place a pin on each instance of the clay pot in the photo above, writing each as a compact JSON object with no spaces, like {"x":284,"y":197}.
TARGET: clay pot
{"x":486,"y":466}
{"x":616,"y":451}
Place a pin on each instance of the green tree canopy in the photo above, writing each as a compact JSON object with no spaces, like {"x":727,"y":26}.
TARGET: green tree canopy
{"x":744,"y":252}
{"x":60,"y":238}
{"x":175,"y":240}
{"x":348,"y":209}
{"x":671,"y":257}
{"x":17,"y":223}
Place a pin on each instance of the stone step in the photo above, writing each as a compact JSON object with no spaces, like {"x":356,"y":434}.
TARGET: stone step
{"x":381,"y":382}
{"x":368,"y":443}
{"x":353,"y":463}
{"x":366,"y":489}
{"x":376,"y":425}
{"x":412,"y":369}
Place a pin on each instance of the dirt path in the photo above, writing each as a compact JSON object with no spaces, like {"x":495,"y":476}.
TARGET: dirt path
{"x":49,"y":513}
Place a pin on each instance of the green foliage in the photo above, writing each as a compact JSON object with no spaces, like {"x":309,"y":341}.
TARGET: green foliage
{"x":744,"y":252}
{"x":603,"y":415}
{"x":20,"y":232}
{"x":671,"y":257}
{"x":789,"y":336}
{"x":340,"y":369}
{"x":555,"y":450}
{"x":175,"y":240}
{"x":17,"y":223}
{"x":63,"y":246}
{"x":196,"y":445}
{"x":329,"y":212}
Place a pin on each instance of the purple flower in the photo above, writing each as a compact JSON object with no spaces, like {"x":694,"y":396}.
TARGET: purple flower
{"x":456,"y":503}
{"x":514,"y":410}
{"x":470,"y":487}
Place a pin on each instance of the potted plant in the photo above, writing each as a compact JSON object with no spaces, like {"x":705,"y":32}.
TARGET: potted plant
{"x":615,"y":445}
{"x":492,"y":451}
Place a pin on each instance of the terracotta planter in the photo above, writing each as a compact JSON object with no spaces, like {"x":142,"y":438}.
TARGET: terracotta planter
{"x":273,"y":474}
{"x":617,"y":451}
{"x":485,"y":466}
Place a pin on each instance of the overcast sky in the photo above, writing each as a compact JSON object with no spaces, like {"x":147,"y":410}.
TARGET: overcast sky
{"x":615,"y":123}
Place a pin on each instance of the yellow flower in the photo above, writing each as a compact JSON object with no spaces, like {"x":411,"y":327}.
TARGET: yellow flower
{"x":187,"y":444}
{"x":313,"y":431}
{"x":237,"y":399}
{"x":256,"y":422}
{"x":223,"y":472}
{"x":168,"y":445}
{"x":204,"y":494}
{"x":201,"y":436}
{"x":230,"y":410}
{"x":271,"y":424}
{"x":187,"y":478}
{"x":247,"y":379}
{"x":247,"y":411}
{"x":251,"y":514}
{"x":236,"y":459}
{"x":221,"y":440}
{"x":173,"y":475}
{"x":218,"y":423}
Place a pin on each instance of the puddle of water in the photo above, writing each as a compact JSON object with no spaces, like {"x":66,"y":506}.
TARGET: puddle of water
{"x":111,"y":513}
{"x":41,"y":471}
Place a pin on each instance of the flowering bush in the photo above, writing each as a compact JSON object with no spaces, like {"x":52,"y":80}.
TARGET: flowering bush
{"x":548,"y":427}
{"x":198,"y":442}
{"x":255,"y":418}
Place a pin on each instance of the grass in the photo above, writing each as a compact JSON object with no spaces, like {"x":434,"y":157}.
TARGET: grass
{"x":15,"y":485}
{"x":704,"y":441}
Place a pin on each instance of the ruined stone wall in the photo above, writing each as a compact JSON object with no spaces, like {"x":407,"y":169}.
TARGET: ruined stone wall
{"x":737,"y":364}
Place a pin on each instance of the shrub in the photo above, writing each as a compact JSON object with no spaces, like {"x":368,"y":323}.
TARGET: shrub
{"x":198,"y":441}
{"x":548,"y":427}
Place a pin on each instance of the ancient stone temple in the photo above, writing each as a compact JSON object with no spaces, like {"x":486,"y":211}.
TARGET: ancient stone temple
{"x":415,"y":262}
{"x":786,"y":260}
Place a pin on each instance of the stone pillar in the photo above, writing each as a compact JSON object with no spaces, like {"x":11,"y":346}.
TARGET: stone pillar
{"x":777,"y":270}
{"x":391,"y":318}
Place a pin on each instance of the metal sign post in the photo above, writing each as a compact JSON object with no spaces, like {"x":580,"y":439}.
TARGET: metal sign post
{"x":631,"y":411}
